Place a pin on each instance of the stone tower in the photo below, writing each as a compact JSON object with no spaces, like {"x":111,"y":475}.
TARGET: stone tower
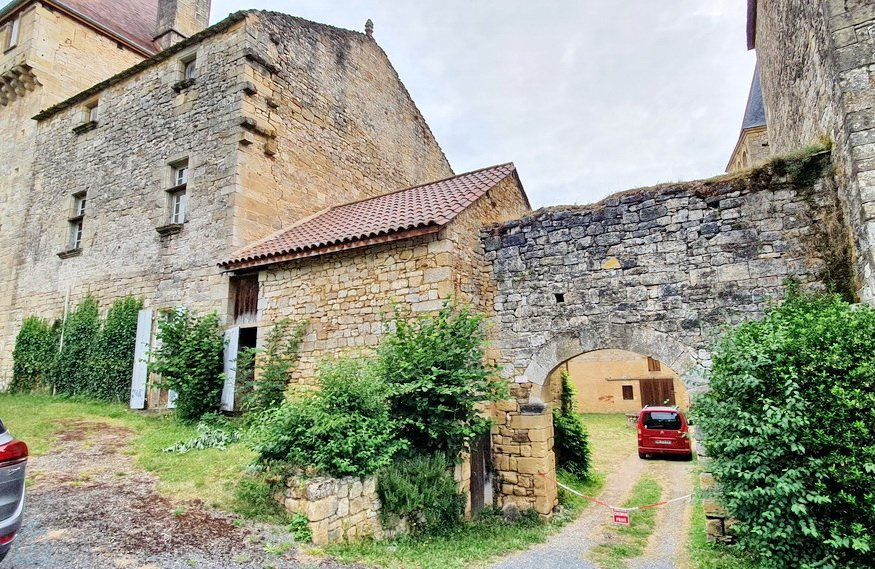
{"x":179,"y":19}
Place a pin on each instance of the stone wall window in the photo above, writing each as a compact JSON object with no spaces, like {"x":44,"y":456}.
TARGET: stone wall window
{"x":628,"y":393}
{"x":177,"y":198}
{"x":653,"y":365}
{"x":177,"y":206}
{"x":77,"y":221}
{"x":88,"y":117}
{"x":9,"y":34}
{"x":189,"y":68}
{"x":92,"y":111}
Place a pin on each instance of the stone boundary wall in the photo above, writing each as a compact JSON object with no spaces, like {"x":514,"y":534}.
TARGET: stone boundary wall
{"x":338,"y":509}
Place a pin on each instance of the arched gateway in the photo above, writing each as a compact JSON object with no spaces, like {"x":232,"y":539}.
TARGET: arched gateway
{"x":656,"y":271}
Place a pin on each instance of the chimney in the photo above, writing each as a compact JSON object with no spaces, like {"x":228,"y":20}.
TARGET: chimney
{"x":179,"y":19}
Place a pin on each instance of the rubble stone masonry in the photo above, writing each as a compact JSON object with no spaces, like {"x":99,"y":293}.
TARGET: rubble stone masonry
{"x":284,"y":118}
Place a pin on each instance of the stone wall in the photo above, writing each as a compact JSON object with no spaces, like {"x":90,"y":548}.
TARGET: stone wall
{"x":816,"y":61}
{"x":55,"y":57}
{"x":338,"y":509}
{"x":346,"y":295}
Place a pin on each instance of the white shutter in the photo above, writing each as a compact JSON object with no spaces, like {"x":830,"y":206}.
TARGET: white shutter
{"x":232,"y":342}
{"x":141,"y":355}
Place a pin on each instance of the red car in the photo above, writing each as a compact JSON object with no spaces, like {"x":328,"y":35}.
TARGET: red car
{"x":663,"y":430}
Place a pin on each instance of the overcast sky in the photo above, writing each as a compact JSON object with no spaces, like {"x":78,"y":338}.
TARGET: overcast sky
{"x":587,"y":97}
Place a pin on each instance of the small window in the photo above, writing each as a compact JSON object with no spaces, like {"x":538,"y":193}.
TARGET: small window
{"x":653,"y":365}
{"x":92,"y":112}
{"x":180,"y":174}
{"x":79,"y":205}
{"x":75,"y":234}
{"x":9,"y":34}
{"x":560,"y":297}
{"x":177,"y":206}
{"x":190,"y":69}
{"x":628,"y":394}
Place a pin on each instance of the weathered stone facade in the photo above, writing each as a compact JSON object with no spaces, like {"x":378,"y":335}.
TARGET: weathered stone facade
{"x":817,"y":60}
{"x":279,"y":122}
{"x":346,"y":295}
{"x":656,"y":271}
{"x":55,"y":57}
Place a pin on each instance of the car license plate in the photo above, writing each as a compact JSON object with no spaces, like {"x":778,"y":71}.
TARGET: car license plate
{"x":663,"y":442}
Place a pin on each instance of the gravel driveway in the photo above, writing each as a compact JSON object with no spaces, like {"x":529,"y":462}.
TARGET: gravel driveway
{"x":89,"y":507}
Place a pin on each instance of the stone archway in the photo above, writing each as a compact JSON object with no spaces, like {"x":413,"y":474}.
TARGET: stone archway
{"x":641,"y":339}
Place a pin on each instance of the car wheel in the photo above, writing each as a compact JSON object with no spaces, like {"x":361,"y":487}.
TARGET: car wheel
{"x":642,"y":455}
{"x":688,"y":457}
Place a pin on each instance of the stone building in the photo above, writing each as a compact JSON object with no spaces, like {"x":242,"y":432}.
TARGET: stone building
{"x":752,"y":148}
{"x":142,"y":183}
{"x":816,"y":59}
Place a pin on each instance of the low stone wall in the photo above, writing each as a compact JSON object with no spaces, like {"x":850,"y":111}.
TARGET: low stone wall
{"x":338,"y":509}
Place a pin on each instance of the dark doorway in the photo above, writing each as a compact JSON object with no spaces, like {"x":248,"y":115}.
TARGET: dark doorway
{"x":481,"y":473}
{"x":657,"y":391}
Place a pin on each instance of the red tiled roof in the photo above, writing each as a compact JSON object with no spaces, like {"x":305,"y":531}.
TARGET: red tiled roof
{"x":405,"y":213}
{"x":132,"y":22}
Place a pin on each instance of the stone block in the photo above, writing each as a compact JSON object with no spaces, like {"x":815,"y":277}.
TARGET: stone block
{"x":714,"y":528}
{"x":713,"y":508}
{"x":320,"y":509}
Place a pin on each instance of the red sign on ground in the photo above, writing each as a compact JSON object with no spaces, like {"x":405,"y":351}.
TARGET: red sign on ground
{"x":621,"y":517}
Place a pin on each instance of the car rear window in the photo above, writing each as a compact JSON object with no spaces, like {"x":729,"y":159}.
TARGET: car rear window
{"x":662,"y":420}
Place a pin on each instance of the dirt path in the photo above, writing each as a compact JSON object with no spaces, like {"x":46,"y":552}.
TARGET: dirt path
{"x":570,"y":548}
{"x":666,"y":548}
{"x":89,"y":507}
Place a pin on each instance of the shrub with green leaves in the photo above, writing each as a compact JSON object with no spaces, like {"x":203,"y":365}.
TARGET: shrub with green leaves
{"x":265,"y":373}
{"x":79,"y":332}
{"x":111,"y":358}
{"x":790,"y":425}
{"x":422,"y":490}
{"x":571,"y":441}
{"x":189,"y":361}
{"x":36,"y":348}
{"x":341,"y":428}
{"x":435,"y":370}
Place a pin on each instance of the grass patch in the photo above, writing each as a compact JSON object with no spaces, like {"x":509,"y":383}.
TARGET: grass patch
{"x":626,"y":542}
{"x":707,"y":555}
{"x":611,"y":439}
{"x":209,"y":475}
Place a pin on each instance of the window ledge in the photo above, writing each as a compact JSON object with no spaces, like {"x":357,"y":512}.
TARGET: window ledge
{"x":70,"y":253}
{"x":177,"y":188}
{"x":85,"y":127}
{"x":169,"y":229}
{"x":184,"y":84}
{"x":76,"y":218}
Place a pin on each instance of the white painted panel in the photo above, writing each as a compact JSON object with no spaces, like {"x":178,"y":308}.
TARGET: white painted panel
{"x":232,"y":342}
{"x":141,"y":355}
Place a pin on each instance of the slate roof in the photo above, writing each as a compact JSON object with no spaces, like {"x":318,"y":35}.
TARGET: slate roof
{"x":755,"y":112}
{"x":132,"y":21}
{"x":419,"y":210}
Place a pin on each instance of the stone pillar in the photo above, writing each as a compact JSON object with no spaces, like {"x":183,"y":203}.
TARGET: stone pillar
{"x":523,"y":448}
{"x":718,"y":523}
{"x":180,"y":19}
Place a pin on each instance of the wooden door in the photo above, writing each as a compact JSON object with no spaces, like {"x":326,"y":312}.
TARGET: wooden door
{"x":657,"y":391}
{"x":481,"y":473}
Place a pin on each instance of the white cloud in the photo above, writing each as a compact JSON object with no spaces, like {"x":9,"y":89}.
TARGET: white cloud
{"x":586,"y":97}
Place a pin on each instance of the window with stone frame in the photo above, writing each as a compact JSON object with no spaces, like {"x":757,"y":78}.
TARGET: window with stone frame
{"x":177,"y":198}
{"x":189,"y":68}
{"x":628,"y":393}
{"x":76,"y":221}
{"x":91,"y":111}
{"x":9,"y":34}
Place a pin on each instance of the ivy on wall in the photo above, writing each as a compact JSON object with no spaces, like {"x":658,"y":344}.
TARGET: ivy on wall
{"x":111,"y":358}
{"x":34,"y":355}
{"x":78,"y":337}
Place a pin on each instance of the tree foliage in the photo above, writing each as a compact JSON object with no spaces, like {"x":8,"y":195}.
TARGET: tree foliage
{"x":571,"y":441}
{"x":342,"y":428}
{"x":79,"y":332}
{"x":36,"y":348}
{"x":790,"y":425}
{"x":265,"y":373}
{"x":111,"y":358}
{"x":189,"y":361}
{"x":435,"y":370}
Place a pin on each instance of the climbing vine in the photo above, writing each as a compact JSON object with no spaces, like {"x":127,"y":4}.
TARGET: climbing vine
{"x":36,"y":348}
{"x":77,"y":340}
{"x":265,"y":373}
{"x":111,"y":358}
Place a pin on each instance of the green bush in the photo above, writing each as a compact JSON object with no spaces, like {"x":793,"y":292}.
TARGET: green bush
{"x":790,"y":426}
{"x":36,"y":348}
{"x":571,"y":441}
{"x":434,"y":367}
{"x":422,"y":490}
{"x":111,"y":358}
{"x":265,"y":373}
{"x":342,"y":428}
{"x":189,"y":361}
{"x":79,"y":332}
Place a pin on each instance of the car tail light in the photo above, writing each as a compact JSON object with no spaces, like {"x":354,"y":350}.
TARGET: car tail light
{"x":15,"y":451}
{"x":6,"y":539}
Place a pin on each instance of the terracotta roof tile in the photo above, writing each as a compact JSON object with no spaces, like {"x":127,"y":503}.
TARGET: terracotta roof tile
{"x":423,"y":209}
